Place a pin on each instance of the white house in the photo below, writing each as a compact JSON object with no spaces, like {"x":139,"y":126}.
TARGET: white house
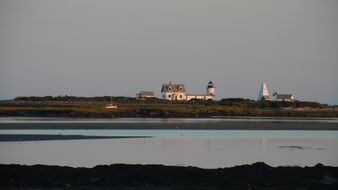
{"x":173,"y":91}
{"x":177,"y":92}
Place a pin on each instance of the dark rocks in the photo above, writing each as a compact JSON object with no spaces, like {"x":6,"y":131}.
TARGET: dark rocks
{"x":120,"y":176}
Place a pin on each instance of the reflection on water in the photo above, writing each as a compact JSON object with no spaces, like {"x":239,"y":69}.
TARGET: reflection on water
{"x":201,"y":152}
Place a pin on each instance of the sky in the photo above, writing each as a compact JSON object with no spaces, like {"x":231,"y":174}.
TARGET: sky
{"x":120,"y":47}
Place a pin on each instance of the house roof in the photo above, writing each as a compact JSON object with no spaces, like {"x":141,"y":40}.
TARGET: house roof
{"x":146,"y":93}
{"x":284,"y":96}
{"x":173,"y":88}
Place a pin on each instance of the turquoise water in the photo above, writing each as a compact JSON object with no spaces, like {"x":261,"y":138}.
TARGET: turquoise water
{"x":185,"y":133}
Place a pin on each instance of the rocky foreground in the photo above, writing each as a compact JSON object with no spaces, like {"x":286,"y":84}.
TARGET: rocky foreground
{"x":120,"y":176}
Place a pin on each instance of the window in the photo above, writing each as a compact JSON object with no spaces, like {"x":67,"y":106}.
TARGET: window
{"x":169,"y":96}
{"x":181,"y":96}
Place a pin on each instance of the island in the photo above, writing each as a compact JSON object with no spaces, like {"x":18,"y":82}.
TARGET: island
{"x":128,"y":107}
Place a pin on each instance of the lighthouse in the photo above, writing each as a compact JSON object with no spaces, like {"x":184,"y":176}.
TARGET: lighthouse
{"x":211,"y":89}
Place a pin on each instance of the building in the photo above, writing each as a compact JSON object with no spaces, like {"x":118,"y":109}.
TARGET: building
{"x":173,"y":91}
{"x":145,"y":95}
{"x":211,"y":89}
{"x":177,"y":92}
{"x":284,"y":97}
{"x":263,"y":94}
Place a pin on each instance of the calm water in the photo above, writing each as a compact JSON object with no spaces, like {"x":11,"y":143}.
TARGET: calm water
{"x":164,"y":120}
{"x":202,"y":148}
{"x":185,"y":133}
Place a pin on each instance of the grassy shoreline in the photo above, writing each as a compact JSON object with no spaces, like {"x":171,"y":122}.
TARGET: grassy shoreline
{"x":131,"y":108}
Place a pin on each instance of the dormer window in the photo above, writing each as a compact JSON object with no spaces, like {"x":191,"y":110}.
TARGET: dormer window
{"x":180,"y":89}
{"x":169,"y":88}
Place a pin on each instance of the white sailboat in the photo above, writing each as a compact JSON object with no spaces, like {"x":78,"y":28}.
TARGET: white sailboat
{"x":111,"y":105}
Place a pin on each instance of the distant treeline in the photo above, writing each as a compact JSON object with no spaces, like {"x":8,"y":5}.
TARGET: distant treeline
{"x":237,"y":102}
{"x":75,"y":98}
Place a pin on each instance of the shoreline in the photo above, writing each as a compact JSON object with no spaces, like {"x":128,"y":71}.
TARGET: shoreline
{"x":228,"y":125}
{"x":29,"y":137}
{"x":95,"y":107}
{"x":140,"y":177}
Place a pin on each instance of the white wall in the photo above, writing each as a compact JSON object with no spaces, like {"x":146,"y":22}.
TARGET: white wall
{"x":174,"y":96}
{"x":205,"y":97}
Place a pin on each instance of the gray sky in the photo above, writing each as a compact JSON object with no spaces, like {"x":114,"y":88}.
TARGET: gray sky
{"x":119,"y":47}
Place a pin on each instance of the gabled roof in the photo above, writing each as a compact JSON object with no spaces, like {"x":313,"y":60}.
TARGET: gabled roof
{"x":284,"y":96}
{"x":173,"y":88}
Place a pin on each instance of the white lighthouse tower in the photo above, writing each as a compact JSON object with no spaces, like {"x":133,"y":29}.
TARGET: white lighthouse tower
{"x":211,"y":89}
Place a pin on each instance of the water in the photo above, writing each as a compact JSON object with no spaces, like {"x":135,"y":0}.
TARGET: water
{"x":201,"y":152}
{"x":184,"y":133}
{"x":166,"y":120}
{"x":188,"y":147}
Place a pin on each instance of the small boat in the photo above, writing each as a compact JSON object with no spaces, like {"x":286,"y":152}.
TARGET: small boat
{"x":111,"y":105}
